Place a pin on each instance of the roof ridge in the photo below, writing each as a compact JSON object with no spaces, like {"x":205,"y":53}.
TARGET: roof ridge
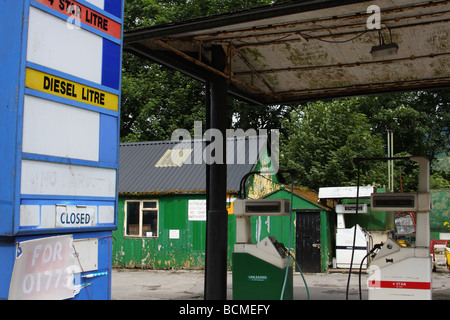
{"x":142,"y":143}
{"x":138,"y":143}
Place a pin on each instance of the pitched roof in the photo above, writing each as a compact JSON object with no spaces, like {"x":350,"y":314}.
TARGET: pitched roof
{"x":148,"y":168}
{"x":310,"y":195}
{"x":306,"y":194}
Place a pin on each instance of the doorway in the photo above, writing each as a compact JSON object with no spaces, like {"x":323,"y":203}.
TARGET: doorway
{"x":307,"y":249}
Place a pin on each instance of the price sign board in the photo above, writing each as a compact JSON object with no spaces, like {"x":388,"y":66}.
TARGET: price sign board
{"x":59,"y":142}
{"x":61,"y":130}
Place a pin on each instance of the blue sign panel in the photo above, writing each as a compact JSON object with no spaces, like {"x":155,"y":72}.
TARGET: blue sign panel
{"x":59,"y":123}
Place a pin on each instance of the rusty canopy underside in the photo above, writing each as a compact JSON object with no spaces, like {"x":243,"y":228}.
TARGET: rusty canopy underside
{"x":309,"y":50}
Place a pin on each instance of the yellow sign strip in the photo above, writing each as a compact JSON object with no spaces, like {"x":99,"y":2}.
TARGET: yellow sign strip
{"x":64,"y":88}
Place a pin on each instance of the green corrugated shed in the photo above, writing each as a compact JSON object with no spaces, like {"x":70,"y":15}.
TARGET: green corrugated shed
{"x":187,"y":251}
{"x":162,"y":252}
{"x":179,"y":240}
{"x":304,"y":200}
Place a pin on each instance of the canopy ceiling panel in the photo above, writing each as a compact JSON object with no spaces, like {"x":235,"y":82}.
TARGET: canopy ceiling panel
{"x":309,"y":50}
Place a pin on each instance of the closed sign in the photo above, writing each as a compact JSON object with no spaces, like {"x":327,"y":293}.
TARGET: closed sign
{"x":75,"y":216}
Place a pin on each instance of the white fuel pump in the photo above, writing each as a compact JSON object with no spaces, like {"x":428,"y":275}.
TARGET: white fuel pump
{"x":346,"y":246}
{"x":398,"y":272}
{"x":344,"y":238}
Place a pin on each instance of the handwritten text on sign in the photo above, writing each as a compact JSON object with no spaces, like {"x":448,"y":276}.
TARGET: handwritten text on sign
{"x":197,"y":210}
{"x":43,"y":269}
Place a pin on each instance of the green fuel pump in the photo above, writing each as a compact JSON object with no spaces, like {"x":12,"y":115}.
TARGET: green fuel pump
{"x":259,"y":270}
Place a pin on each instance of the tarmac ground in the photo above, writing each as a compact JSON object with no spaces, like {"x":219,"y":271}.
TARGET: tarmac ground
{"x":145,"y":284}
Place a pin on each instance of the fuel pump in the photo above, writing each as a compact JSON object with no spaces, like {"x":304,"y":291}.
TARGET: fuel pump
{"x":398,"y":272}
{"x":259,"y":270}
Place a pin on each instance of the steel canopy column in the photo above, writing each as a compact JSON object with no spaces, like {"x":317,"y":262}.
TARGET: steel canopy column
{"x":217,"y":216}
{"x":423,"y":217}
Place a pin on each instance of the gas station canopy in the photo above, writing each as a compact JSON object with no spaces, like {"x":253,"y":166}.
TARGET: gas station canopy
{"x":294,"y":52}
{"x":310,"y":50}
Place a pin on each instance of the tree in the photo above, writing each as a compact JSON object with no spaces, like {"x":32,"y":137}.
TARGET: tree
{"x":420,"y":122}
{"x":153,"y":96}
{"x":324,"y":138}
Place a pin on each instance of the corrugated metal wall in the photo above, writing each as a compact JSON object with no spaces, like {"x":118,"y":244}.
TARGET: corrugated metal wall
{"x":163,"y":252}
{"x":279,"y":226}
{"x":188,"y":250}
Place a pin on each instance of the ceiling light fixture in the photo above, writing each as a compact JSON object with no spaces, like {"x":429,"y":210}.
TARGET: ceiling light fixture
{"x":384,"y":50}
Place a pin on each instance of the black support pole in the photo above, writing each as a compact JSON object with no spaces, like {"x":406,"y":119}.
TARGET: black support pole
{"x":217,"y":217}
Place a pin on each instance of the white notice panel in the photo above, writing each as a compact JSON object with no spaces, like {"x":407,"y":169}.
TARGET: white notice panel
{"x":56,"y":44}
{"x":56,"y":129}
{"x":106,"y":214}
{"x":98,"y":3}
{"x":29,"y":215}
{"x":197,"y":210}
{"x":174,"y":234}
{"x":45,"y":178}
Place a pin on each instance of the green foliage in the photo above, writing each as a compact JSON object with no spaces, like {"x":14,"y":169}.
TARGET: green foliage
{"x":419,"y":120}
{"x":144,"y":13}
{"x":156,"y":100}
{"x":323,"y":140}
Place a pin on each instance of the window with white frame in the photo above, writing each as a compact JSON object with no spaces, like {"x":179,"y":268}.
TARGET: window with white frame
{"x":141,"y":218}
